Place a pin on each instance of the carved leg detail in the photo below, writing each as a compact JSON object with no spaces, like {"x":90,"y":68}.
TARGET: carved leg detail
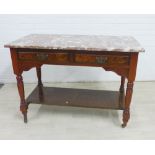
{"x":122,"y":84}
{"x":128,"y":97}
{"x":23,"y":104}
{"x":126,"y":117}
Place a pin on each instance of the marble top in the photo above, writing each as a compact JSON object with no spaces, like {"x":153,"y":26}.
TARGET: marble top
{"x":78,"y":42}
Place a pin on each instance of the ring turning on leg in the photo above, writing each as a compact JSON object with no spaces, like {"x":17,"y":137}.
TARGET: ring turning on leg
{"x":128,"y":97}
{"x":23,"y":104}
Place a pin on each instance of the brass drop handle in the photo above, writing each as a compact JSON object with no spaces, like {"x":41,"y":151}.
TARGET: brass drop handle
{"x":101,"y":59}
{"x":42,"y":56}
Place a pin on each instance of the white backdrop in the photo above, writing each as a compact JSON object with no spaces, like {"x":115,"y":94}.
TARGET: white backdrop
{"x":142,"y":27}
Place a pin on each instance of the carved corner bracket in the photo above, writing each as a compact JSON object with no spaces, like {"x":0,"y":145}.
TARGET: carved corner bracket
{"x":26,"y":67}
{"x":119,"y":71}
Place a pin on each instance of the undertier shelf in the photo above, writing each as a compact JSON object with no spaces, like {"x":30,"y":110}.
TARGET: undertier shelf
{"x":77,"y":97}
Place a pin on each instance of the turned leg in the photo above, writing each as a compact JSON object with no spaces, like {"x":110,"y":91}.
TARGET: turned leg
{"x":40,"y":85}
{"x":121,"y":90}
{"x":128,"y":97}
{"x":23,"y":104}
{"x":38,"y":70}
{"x":122,"y":84}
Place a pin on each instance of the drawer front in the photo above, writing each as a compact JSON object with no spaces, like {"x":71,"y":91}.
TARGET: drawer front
{"x":102,"y":59}
{"x":43,"y":57}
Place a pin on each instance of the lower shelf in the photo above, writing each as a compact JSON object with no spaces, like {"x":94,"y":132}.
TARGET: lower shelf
{"x":77,"y":97}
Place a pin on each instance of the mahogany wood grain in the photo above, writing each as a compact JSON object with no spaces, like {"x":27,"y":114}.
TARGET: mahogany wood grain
{"x":78,"y":97}
{"x":126,"y":112}
{"x":122,"y":63}
{"x":129,"y":89}
{"x":23,"y":104}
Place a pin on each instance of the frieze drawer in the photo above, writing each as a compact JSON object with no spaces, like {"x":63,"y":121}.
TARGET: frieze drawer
{"x":102,"y":59}
{"x":45,"y":57}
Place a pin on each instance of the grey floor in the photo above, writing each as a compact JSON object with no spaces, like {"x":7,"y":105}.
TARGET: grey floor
{"x":53,"y":122}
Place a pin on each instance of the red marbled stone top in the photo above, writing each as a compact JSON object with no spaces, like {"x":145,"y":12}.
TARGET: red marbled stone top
{"x":78,"y":42}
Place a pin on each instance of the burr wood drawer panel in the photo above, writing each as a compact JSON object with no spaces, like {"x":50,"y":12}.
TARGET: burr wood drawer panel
{"x":102,"y":59}
{"x":45,"y":57}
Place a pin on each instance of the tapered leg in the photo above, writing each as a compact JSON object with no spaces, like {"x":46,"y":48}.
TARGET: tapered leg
{"x":23,"y":104}
{"x":128,"y":97}
{"x":40,"y":85}
{"x":122,"y":84}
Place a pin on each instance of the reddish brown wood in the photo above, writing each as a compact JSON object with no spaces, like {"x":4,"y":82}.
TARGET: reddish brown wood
{"x":23,"y":104}
{"x":38,"y":71}
{"x":122,"y":84}
{"x":102,"y":59}
{"x":78,"y":97}
{"x":18,"y":71}
{"x":16,"y":65}
{"x":40,"y":84}
{"x":126,"y":112}
{"x":75,"y":58}
{"x":122,"y":63}
{"x":129,"y":89}
{"x":43,"y":57}
{"x":120,"y":71}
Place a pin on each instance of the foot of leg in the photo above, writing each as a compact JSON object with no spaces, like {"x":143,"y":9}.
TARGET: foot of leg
{"x":126,"y":117}
{"x":25,"y":117}
{"x":128,"y":97}
{"x":23,"y":109}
